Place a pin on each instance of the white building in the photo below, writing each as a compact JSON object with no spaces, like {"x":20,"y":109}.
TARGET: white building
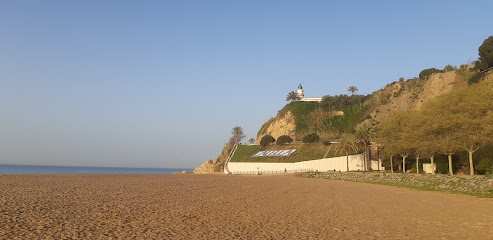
{"x":302,"y":97}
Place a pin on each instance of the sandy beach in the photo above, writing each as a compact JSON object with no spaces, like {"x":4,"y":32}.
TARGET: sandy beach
{"x":231,"y":207}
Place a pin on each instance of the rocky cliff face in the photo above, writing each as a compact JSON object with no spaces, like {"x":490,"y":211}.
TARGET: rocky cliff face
{"x":207,"y":167}
{"x":280,"y":125}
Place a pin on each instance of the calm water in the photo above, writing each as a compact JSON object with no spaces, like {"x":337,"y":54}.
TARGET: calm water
{"x":29,"y":169}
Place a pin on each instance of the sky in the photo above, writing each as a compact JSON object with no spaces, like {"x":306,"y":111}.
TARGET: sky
{"x":162,"y":83}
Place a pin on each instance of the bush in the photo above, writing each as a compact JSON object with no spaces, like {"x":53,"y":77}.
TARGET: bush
{"x":266,"y":140}
{"x":485,"y":166}
{"x":284,"y":139}
{"x":449,"y":68}
{"x":311,"y":138}
{"x":326,"y":142}
{"x":427,"y":73}
{"x":474,"y":78}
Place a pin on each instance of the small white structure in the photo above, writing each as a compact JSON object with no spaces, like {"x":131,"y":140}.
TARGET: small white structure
{"x":302,"y":97}
{"x":428,"y":168}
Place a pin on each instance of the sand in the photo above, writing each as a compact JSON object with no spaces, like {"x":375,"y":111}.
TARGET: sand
{"x":225,"y":207}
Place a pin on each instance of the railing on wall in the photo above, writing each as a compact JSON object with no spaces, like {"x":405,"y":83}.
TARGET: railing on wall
{"x":260,"y":171}
{"x":226,"y":169}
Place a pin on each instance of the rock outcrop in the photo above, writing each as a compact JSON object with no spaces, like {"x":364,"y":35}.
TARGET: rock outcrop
{"x":278,"y":126}
{"x":207,"y":167}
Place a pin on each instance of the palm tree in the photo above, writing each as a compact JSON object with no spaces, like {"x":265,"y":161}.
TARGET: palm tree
{"x":347,"y":143}
{"x":352,"y":89}
{"x":237,"y":134}
{"x":292,"y":96}
{"x":365,"y":134}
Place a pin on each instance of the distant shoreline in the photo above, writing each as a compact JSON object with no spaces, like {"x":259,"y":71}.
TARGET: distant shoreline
{"x":40,"y":169}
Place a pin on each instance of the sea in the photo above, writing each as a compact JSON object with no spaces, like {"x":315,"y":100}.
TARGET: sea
{"x":33,"y":169}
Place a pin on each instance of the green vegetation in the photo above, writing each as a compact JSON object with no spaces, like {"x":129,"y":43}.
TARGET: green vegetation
{"x":485,"y":53}
{"x":266,"y":140}
{"x":428,"y":72}
{"x":292,"y":97}
{"x":304,"y":152}
{"x":456,"y":122}
{"x":347,"y":144}
{"x":282,"y":140}
{"x":485,"y":166}
{"x":449,"y":68}
{"x":311,"y":138}
{"x":352,"y":89}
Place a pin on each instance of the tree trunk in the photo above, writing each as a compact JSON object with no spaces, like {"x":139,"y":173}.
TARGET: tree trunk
{"x":391,"y":165}
{"x":378,"y":156}
{"x":417,"y":164}
{"x":364,"y":158}
{"x":471,"y":165}
{"x":432,"y":164}
{"x":347,"y":161}
{"x":404,"y":164}
{"x":450,"y":164}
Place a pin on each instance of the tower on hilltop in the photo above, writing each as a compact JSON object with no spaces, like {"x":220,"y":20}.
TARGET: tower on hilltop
{"x":299,"y":92}
{"x":302,"y":97}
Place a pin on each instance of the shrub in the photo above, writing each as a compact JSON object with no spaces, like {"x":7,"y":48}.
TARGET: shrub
{"x":449,"y":68}
{"x":284,"y":139}
{"x":341,"y":100}
{"x":474,"y":78}
{"x":326,"y":142}
{"x":463,"y":66}
{"x":266,"y":140}
{"x":311,"y":138}
{"x":485,"y":166}
{"x":427,"y":72}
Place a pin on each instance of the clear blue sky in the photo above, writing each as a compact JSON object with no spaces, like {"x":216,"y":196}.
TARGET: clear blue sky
{"x":161,"y":83}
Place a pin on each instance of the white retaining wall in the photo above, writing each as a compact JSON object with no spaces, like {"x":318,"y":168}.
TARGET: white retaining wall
{"x":326,"y":164}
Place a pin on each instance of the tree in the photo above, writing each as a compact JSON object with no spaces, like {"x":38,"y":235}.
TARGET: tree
{"x":352,"y":89}
{"x":365,"y":134}
{"x":485,"y":53}
{"x":251,"y":141}
{"x":292,"y":96}
{"x":284,"y":139}
{"x":266,"y":140}
{"x":393,"y":135}
{"x":401,"y":79}
{"x":311,"y":138}
{"x":237,"y":133}
{"x":347,"y":144}
{"x":443,"y":128}
{"x":428,"y":72}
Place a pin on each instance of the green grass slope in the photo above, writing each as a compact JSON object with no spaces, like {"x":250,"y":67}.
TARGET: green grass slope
{"x":304,"y":152}
{"x":353,"y":115}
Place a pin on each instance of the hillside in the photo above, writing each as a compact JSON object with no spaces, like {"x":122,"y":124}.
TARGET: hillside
{"x":293,"y":119}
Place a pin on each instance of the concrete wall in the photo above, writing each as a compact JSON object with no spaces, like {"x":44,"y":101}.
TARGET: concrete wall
{"x":327,"y":164}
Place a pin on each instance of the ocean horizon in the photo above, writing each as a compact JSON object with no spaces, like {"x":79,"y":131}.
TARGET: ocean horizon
{"x":41,"y":169}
